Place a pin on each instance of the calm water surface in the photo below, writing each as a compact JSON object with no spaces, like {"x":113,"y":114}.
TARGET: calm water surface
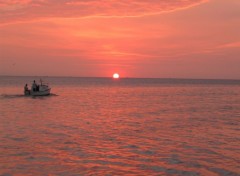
{"x":100,"y":126}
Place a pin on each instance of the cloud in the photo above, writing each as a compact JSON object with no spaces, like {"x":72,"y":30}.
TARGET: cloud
{"x":230,"y":45}
{"x":24,"y":10}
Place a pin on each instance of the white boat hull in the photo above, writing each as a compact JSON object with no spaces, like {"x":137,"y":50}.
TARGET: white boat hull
{"x":38,"y":93}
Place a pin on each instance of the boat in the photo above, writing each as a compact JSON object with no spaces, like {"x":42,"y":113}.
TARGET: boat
{"x":41,"y":89}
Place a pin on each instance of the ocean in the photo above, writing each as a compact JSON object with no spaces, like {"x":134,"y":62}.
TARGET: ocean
{"x":129,"y":126}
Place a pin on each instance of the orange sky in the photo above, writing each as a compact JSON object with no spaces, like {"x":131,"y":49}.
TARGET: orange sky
{"x":136,"y":38}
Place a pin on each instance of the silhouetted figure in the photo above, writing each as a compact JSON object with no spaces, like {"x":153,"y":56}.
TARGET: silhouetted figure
{"x":34,"y":86}
{"x":26,"y":90}
{"x":26,"y":87}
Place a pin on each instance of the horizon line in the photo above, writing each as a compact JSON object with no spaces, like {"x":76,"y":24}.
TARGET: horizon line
{"x":183,"y":78}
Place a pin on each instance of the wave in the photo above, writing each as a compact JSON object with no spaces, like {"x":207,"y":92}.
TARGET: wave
{"x":8,"y":96}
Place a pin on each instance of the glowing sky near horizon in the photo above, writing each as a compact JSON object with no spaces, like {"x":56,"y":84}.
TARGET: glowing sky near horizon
{"x":137,"y":38}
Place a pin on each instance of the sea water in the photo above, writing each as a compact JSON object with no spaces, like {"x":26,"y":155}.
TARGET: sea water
{"x":101,"y":126}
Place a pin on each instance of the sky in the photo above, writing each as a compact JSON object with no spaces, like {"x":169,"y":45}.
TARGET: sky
{"x":135,"y":38}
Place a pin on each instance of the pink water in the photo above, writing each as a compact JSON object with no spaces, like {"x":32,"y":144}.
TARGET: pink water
{"x":102,"y":127}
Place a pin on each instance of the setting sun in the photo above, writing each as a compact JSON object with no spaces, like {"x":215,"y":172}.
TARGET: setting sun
{"x":115,"y":75}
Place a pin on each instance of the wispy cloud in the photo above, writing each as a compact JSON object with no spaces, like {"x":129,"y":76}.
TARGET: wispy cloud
{"x":230,"y":45}
{"x":24,"y":10}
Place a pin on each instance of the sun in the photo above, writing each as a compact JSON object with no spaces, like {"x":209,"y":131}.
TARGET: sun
{"x":116,"y":76}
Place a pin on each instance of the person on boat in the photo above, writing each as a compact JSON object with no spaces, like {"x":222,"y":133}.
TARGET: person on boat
{"x":34,"y":86}
{"x":26,"y":90}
